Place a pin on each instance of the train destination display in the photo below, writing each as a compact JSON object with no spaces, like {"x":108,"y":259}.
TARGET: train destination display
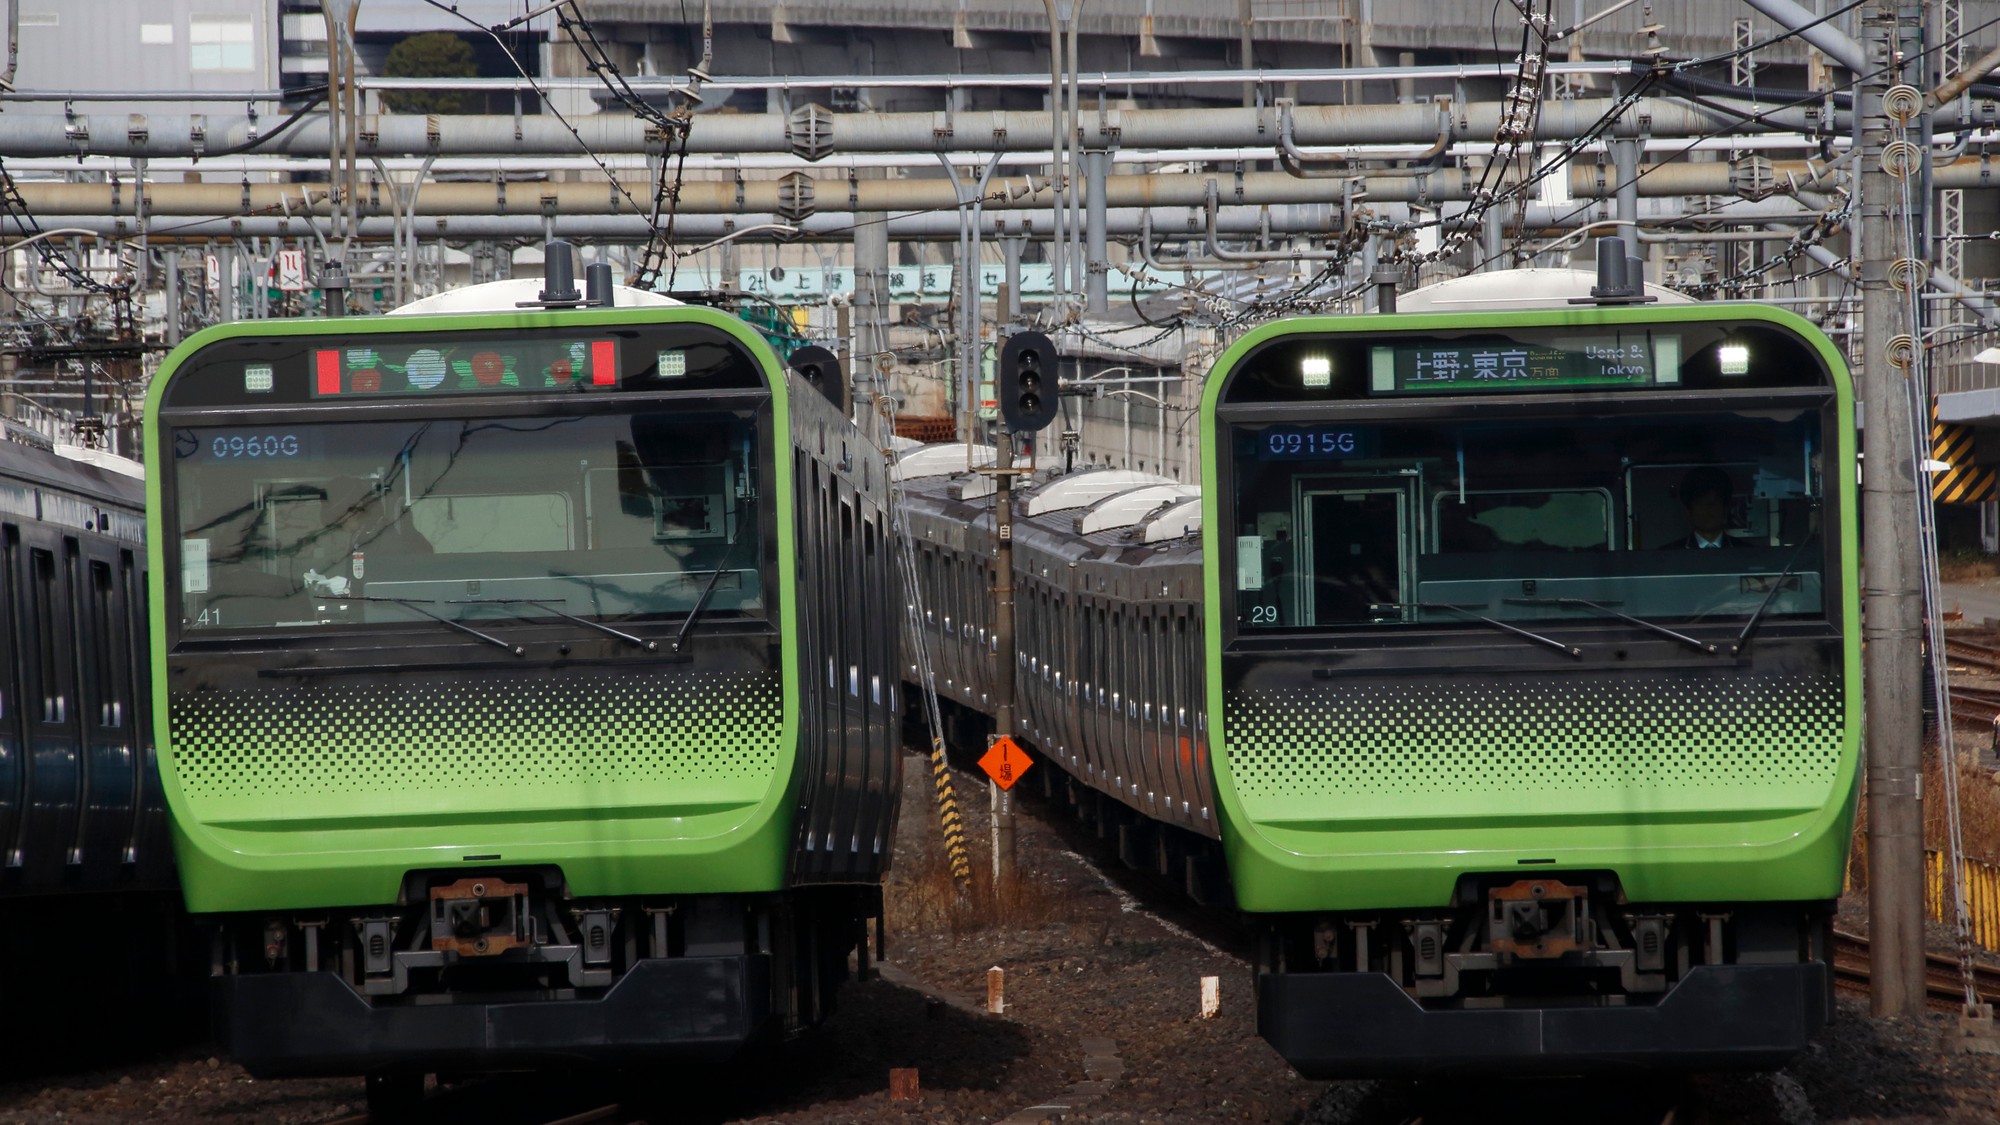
{"x":1610,"y":362}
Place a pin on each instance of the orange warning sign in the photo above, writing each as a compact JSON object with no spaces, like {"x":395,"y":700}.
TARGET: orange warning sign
{"x":1005,"y":762}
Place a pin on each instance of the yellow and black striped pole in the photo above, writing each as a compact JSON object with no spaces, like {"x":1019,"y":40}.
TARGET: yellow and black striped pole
{"x":948,"y":817}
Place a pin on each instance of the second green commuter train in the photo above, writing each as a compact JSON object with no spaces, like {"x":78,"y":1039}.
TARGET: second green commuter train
{"x":1511,"y":770}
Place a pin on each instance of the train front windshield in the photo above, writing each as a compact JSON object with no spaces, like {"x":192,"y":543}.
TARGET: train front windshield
{"x":1668,"y":517}
{"x":609,"y":517}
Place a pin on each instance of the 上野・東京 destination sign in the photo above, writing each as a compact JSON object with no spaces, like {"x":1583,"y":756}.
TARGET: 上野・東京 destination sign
{"x":1635,"y":359}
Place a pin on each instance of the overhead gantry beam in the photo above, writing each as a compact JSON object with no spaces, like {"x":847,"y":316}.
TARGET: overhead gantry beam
{"x":802,"y":196}
{"x":823,"y":133}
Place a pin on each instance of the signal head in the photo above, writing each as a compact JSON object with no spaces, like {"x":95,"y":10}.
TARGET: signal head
{"x":821,"y":368}
{"x":1029,"y":381}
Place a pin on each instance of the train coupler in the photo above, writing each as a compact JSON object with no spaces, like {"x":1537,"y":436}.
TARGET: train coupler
{"x":480,"y":917}
{"x":1537,"y":919}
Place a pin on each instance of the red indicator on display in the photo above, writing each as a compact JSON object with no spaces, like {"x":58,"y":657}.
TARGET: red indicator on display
{"x":603,"y":363}
{"x":327,"y":366}
{"x":489,"y":369}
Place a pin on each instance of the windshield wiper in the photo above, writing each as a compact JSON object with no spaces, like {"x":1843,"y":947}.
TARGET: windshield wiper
{"x":543,"y":604}
{"x":714,"y":579}
{"x":1444,"y":607}
{"x":1691,"y":642}
{"x":1770,"y":595}
{"x":418,"y":606}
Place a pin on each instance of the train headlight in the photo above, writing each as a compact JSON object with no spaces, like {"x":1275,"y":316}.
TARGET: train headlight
{"x":673,"y":363}
{"x":257,"y":377}
{"x":1316,"y":371}
{"x":1734,"y":359}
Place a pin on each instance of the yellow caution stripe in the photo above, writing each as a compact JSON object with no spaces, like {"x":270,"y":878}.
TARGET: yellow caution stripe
{"x":1966,"y":482}
{"x":1979,"y":882}
{"x":948,"y":818}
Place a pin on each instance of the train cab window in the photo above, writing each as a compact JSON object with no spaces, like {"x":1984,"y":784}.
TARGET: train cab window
{"x":1560,"y":519}
{"x":606,"y":517}
{"x":1411,"y":523}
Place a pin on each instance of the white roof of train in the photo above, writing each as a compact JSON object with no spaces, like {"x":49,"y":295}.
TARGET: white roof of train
{"x":941,"y":460}
{"x":1125,"y":509}
{"x":1183,"y":518}
{"x":506,"y":296}
{"x":1082,"y":489}
{"x":1515,"y":289}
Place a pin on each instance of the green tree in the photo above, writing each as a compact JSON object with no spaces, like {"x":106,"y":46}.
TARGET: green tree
{"x":433,"y":54}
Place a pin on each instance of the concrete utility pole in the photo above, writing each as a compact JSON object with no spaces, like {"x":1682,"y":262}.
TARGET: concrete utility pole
{"x":1003,"y":641}
{"x":343,"y":110}
{"x":1892,"y":602}
{"x":871,"y":300}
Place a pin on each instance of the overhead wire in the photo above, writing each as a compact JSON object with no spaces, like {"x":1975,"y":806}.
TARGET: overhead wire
{"x":659,"y":254}
{"x":547,"y":104}
{"x":1655,"y":74}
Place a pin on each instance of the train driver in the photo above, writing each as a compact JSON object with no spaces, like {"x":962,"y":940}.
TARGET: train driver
{"x":1707,"y":493}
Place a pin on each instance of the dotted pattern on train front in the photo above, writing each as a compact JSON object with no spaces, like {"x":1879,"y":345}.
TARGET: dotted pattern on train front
{"x":469,"y":734}
{"x":1349,"y":740}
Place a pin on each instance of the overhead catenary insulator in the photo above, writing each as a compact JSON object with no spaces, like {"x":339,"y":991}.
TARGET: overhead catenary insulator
{"x":809,"y":130}
{"x":1752,"y":178}
{"x":795,"y":197}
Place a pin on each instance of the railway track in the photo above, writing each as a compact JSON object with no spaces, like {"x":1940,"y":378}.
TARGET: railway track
{"x":1974,"y":655}
{"x":603,"y":1115}
{"x":516,"y":1099}
{"x":1942,"y":989}
{"x":1981,"y":704}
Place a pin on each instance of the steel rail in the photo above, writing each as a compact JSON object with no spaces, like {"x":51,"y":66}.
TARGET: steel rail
{"x":1943,"y":991}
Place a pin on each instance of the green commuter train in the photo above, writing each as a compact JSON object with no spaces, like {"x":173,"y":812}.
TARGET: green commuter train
{"x":1534,"y":681}
{"x":525,"y":684}
{"x":1503,"y":670}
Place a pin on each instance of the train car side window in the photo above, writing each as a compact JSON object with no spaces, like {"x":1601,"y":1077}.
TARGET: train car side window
{"x":13,"y":692}
{"x":51,"y":707}
{"x":107,"y":640}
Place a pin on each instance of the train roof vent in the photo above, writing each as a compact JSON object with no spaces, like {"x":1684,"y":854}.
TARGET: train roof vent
{"x":1180,"y":520}
{"x":1080,"y":490}
{"x":110,"y":462}
{"x":970,"y":487}
{"x":1128,"y":508}
{"x":941,"y":460}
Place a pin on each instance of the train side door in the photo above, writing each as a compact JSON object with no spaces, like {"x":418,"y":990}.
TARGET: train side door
{"x":1353,"y":553}
{"x":13,"y":698}
{"x":54,"y":775}
{"x":110,"y":766}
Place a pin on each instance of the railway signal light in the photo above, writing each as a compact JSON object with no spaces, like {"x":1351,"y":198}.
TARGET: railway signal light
{"x":1028,"y":382}
{"x":821,"y":368}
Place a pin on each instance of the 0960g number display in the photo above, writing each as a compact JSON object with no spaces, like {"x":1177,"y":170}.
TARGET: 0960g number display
{"x":231,"y":447}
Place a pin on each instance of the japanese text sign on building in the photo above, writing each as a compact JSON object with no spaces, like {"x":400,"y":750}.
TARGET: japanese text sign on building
{"x":291,"y":270}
